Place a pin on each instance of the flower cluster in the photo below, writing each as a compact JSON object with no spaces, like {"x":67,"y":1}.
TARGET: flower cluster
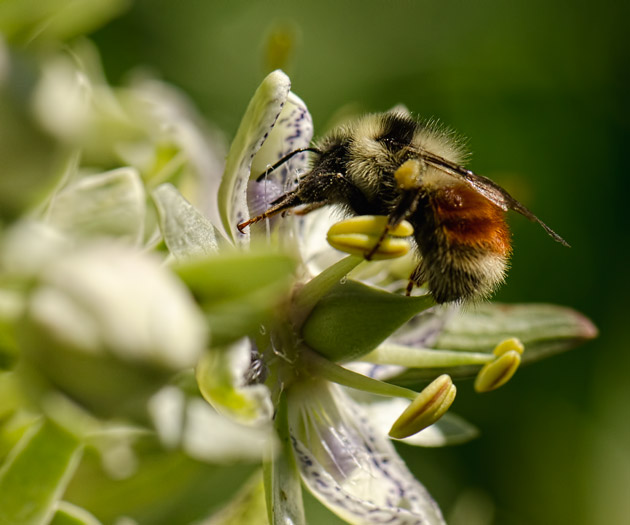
{"x":132,"y":314}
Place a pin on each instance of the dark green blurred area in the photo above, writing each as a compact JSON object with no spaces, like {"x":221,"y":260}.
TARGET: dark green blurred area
{"x":539,"y":88}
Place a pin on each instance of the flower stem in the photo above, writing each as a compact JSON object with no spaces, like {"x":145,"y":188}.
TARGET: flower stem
{"x":283,"y":489}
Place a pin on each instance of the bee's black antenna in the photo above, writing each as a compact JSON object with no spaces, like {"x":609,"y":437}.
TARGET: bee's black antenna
{"x":283,"y":160}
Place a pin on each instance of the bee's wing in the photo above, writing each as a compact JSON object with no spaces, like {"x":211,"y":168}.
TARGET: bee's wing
{"x":488,"y":188}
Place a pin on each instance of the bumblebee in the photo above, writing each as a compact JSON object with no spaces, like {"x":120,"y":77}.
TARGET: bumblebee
{"x":394,"y":165}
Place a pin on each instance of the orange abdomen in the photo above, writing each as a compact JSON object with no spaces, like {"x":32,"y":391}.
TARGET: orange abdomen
{"x":468,"y":218}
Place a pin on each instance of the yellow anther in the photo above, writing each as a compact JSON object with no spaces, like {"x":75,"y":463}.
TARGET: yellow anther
{"x":430,"y":405}
{"x":358,"y":236}
{"x":408,"y":174}
{"x":498,"y":372}
{"x":509,"y":344}
{"x":371,"y":225}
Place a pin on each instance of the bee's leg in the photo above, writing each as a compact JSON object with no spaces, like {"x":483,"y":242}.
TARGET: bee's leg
{"x":408,"y":177}
{"x":405,"y":207}
{"x":311,"y":207}
{"x":285,"y":202}
{"x":415,"y":279}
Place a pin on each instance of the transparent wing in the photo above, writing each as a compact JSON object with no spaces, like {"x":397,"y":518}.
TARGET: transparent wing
{"x":486,"y":187}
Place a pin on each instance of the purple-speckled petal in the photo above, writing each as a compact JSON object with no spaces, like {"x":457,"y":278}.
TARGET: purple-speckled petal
{"x":260,"y":117}
{"x":424,"y":329}
{"x":293,"y":130}
{"x":351,"y":468}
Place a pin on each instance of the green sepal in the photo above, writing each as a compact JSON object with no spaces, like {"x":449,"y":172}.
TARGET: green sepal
{"x":354,"y":319}
{"x":35,"y":475}
{"x":238,"y":291}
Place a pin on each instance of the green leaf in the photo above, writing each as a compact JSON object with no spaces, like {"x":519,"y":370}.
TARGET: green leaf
{"x":186,"y":232}
{"x":354,"y":319}
{"x":36,"y":473}
{"x":69,"y":514}
{"x":260,"y":117}
{"x":109,"y":204}
{"x":238,"y":291}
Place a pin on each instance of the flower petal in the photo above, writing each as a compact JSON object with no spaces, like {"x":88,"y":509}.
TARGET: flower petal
{"x":203,"y":433}
{"x":423,"y":330}
{"x":351,"y":468}
{"x":222,"y":375}
{"x":544,"y":330}
{"x":109,"y":204}
{"x":260,"y":117}
{"x":186,"y":232}
{"x":108,"y":297}
{"x":293,"y":130}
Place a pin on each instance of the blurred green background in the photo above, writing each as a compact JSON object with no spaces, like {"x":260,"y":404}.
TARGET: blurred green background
{"x":539,"y":88}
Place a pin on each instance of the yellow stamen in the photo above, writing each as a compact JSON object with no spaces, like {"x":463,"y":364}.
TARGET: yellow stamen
{"x":509,"y":344}
{"x":358,"y":235}
{"x":498,"y":372}
{"x":429,"y":406}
